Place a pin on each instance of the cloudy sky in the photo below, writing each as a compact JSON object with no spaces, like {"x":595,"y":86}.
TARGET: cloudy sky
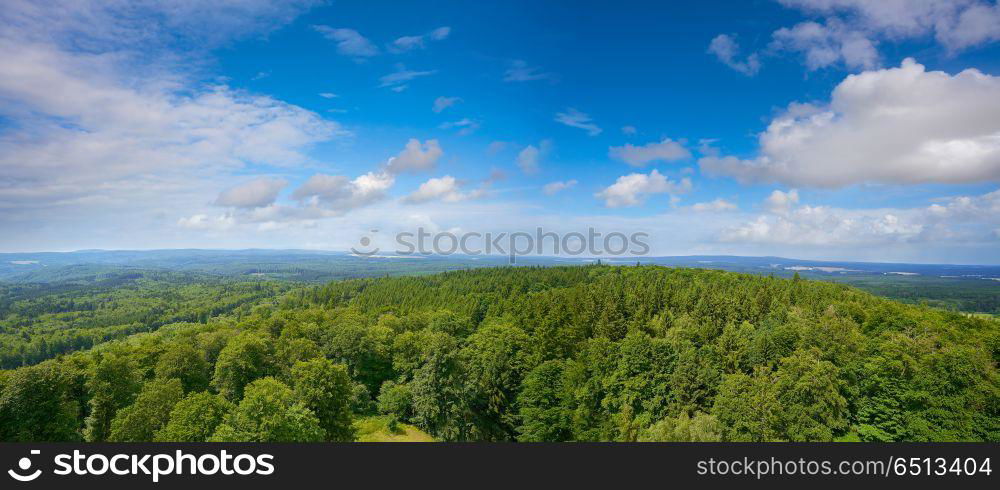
{"x":826,"y":129}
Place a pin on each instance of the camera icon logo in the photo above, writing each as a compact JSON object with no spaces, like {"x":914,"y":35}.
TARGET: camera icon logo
{"x":366,"y":241}
{"x":25,"y":464}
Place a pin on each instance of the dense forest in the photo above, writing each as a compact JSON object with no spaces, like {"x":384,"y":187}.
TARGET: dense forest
{"x":40,"y":321}
{"x":593,"y":353}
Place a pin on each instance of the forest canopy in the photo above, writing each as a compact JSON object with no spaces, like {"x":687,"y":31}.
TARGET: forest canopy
{"x":594,"y":353}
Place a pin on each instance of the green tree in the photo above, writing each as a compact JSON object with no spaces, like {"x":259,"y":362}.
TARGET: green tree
{"x":36,"y":405}
{"x":186,"y":363}
{"x":245,"y":358}
{"x":325,"y":388}
{"x":195,"y":418}
{"x":800,"y":401}
{"x":496,"y":359}
{"x":139,"y":421}
{"x":684,"y":428}
{"x":113,"y":383}
{"x":269,"y":412}
{"x":440,"y":404}
{"x":544,"y":417}
{"x":396,"y":399}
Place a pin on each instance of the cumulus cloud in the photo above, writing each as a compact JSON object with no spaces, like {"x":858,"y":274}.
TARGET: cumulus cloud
{"x":827,"y":44}
{"x":629,"y":130}
{"x":101,"y":126}
{"x":519,"y":71}
{"x":340,"y":194}
{"x":442,"y":103}
{"x":349,"y":41}
{"x":727,"y":50}
{"x":717,"y":205}
{"x":259,"y":192}
{"x":409,"y":43}
{"x":781,"y":202}
{"x":901,"y":125}
{"x":576,"y":119}
{"x":529,"y":158}
{"x":558,"y":186}
{"x":446,"y":189}
{"x":633,"y":189}
{"x":415,"y":157}
{"x":666,"y":150}
{"x":956,"y":24}
{"x":958,"y":219}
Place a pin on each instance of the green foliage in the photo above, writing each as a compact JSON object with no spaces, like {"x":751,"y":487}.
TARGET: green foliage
{"x":195,"y":418}
{"x":495,"y":359}
{"x":185,"y":363}
{"x":395,"y":399}
{"x":684,"y":428}
{"x":245,"y":358}
{"x":326,"y":389}
{"x":269,"y":412}
{"x":531,"y":354}
{"x":543,"y":414}
{"x":139,"y":421}
{"x":799,"y":401}
{"x":36,"y":405}
{"x":42,"y":321}
{"x":113,"y":383}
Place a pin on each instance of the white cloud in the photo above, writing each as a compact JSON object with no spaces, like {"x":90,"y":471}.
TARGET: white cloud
{"x":956,"y":24}
{"x":397,"y":79}
{"x":666,"y":150}
{"x":328,"y":95}
{"x":445,"y":189}
{"x":633,"y":189}
{"x":89,"y":128}
{"x":529,"y":158}
{"x":409,"y":43}
{"x":576,"y":119}
{"x":465,"y":126}
{"x":519,"y":71}
{"x":259,"y":192}
{"x":349,"y":41}
{"x":440,"y":34}
{"x":415,"y":157}
{"x":340,"y":194}
{"x":442,"y":103}
{"x":901,"y":125}
{"x":205,"y":222}
{"x":727,"y":50}
{"x":716,"y":206}
{"x":827,"y":44}
{"x":558,"y":186}
{"x":144,"y":25}
{"x":629,"y":130}
{"x":963,"y":219}
{"x":781,"y":202}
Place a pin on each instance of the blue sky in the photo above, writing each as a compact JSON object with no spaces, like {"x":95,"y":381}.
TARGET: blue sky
{"x":828,"y":129}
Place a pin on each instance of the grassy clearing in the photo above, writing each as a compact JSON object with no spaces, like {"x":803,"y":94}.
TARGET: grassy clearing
{"x":381,"y":429}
